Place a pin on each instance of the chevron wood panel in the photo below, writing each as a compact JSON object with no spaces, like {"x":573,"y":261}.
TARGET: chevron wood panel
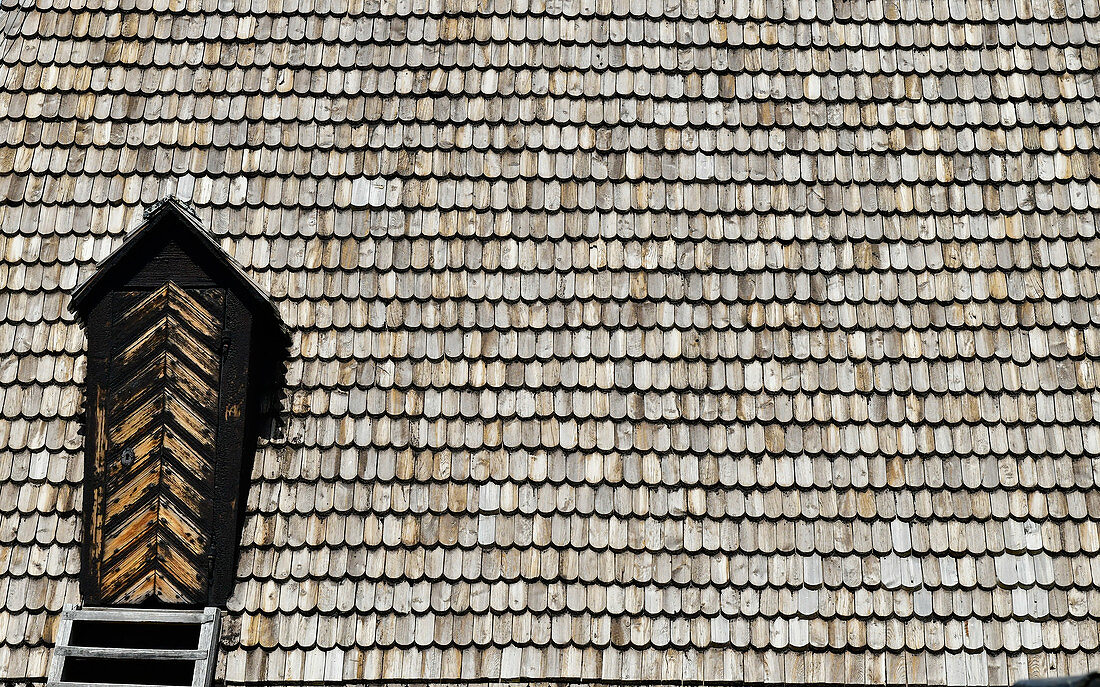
{"x":162,"y":426}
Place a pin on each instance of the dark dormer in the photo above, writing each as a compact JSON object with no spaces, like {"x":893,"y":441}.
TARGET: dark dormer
{"x":182,"y":348}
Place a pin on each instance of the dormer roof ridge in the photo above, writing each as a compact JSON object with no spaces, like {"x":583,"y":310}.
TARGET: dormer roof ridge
{"x":193,"y":227}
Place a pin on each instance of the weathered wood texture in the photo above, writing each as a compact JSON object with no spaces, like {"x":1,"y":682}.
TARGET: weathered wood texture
{"x":162,"y":418}
{"x":633,"y":339}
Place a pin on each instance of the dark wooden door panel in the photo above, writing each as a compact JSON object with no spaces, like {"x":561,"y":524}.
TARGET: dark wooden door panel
{"x":162,"y":419}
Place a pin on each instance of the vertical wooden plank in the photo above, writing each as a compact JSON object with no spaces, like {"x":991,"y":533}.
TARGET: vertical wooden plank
{"x":57,"y":659}
{"x":208,"y":640}
{"x":231,"y":437}
{"x":96,"y":446}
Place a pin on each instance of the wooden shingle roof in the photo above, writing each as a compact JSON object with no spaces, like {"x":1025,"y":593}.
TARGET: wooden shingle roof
{"x":655,"y":341}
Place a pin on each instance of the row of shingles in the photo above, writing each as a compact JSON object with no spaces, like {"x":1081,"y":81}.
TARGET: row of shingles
{"x":613,"y":163}
{"x":351,"y":149}
{"x":804,"y":117}
{"x":639,"y":359}
{"x":1039,"y":376}
{"x":225,"y":193}
{"x":778,"y":323}
{"x":397,"y":185}
{"x":931,"y":578}
{"x":923,"y":585}
{"x":686,"y":228}
{"x":531,"y":166}
{"x":771,"y":11}
{"x":599,"y":99}
{"x":795,"y":69}
{"x":416,"y":193}
{"x":385,"y":178}
{"x":797,"y":407}
{"x":658,"y":409}
{"x":334,"y":239}
{"x":428,"y":631}
{"x":430,"y":101}
{"x":426,"y":102}
{"x":949,"y":80}
{"x":670,"y":97}
{"x":721,"y":666}
{"x":34,"y":400}
{"x":754,"y":439}
{"x":604,"y":485}
{"x":422,"y":591}
{"x":1054,"y":148}
{"x":417,"y":27}
{"x":346,"y":244}
{"x":520,"y":24}
{"x":729,"y":271}
{"x":1064,"y":532}
{"x":973,"y":479}
{"x":586,"y":491}
{"x":877,"y":67}
{"x":339,"y":235}
{"x":1018,"y":522}
{"x":626,"y":83}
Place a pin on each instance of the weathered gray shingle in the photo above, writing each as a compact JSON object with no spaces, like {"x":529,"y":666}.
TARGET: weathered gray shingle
{"x":632,"y":340}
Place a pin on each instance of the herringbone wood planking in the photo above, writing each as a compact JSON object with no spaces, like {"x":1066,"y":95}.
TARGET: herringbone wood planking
{"x":165,"y":370}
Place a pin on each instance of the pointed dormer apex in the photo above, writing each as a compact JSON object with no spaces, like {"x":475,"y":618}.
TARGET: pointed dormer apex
{"x":170,"y":202}
{"x":171,"y":225}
